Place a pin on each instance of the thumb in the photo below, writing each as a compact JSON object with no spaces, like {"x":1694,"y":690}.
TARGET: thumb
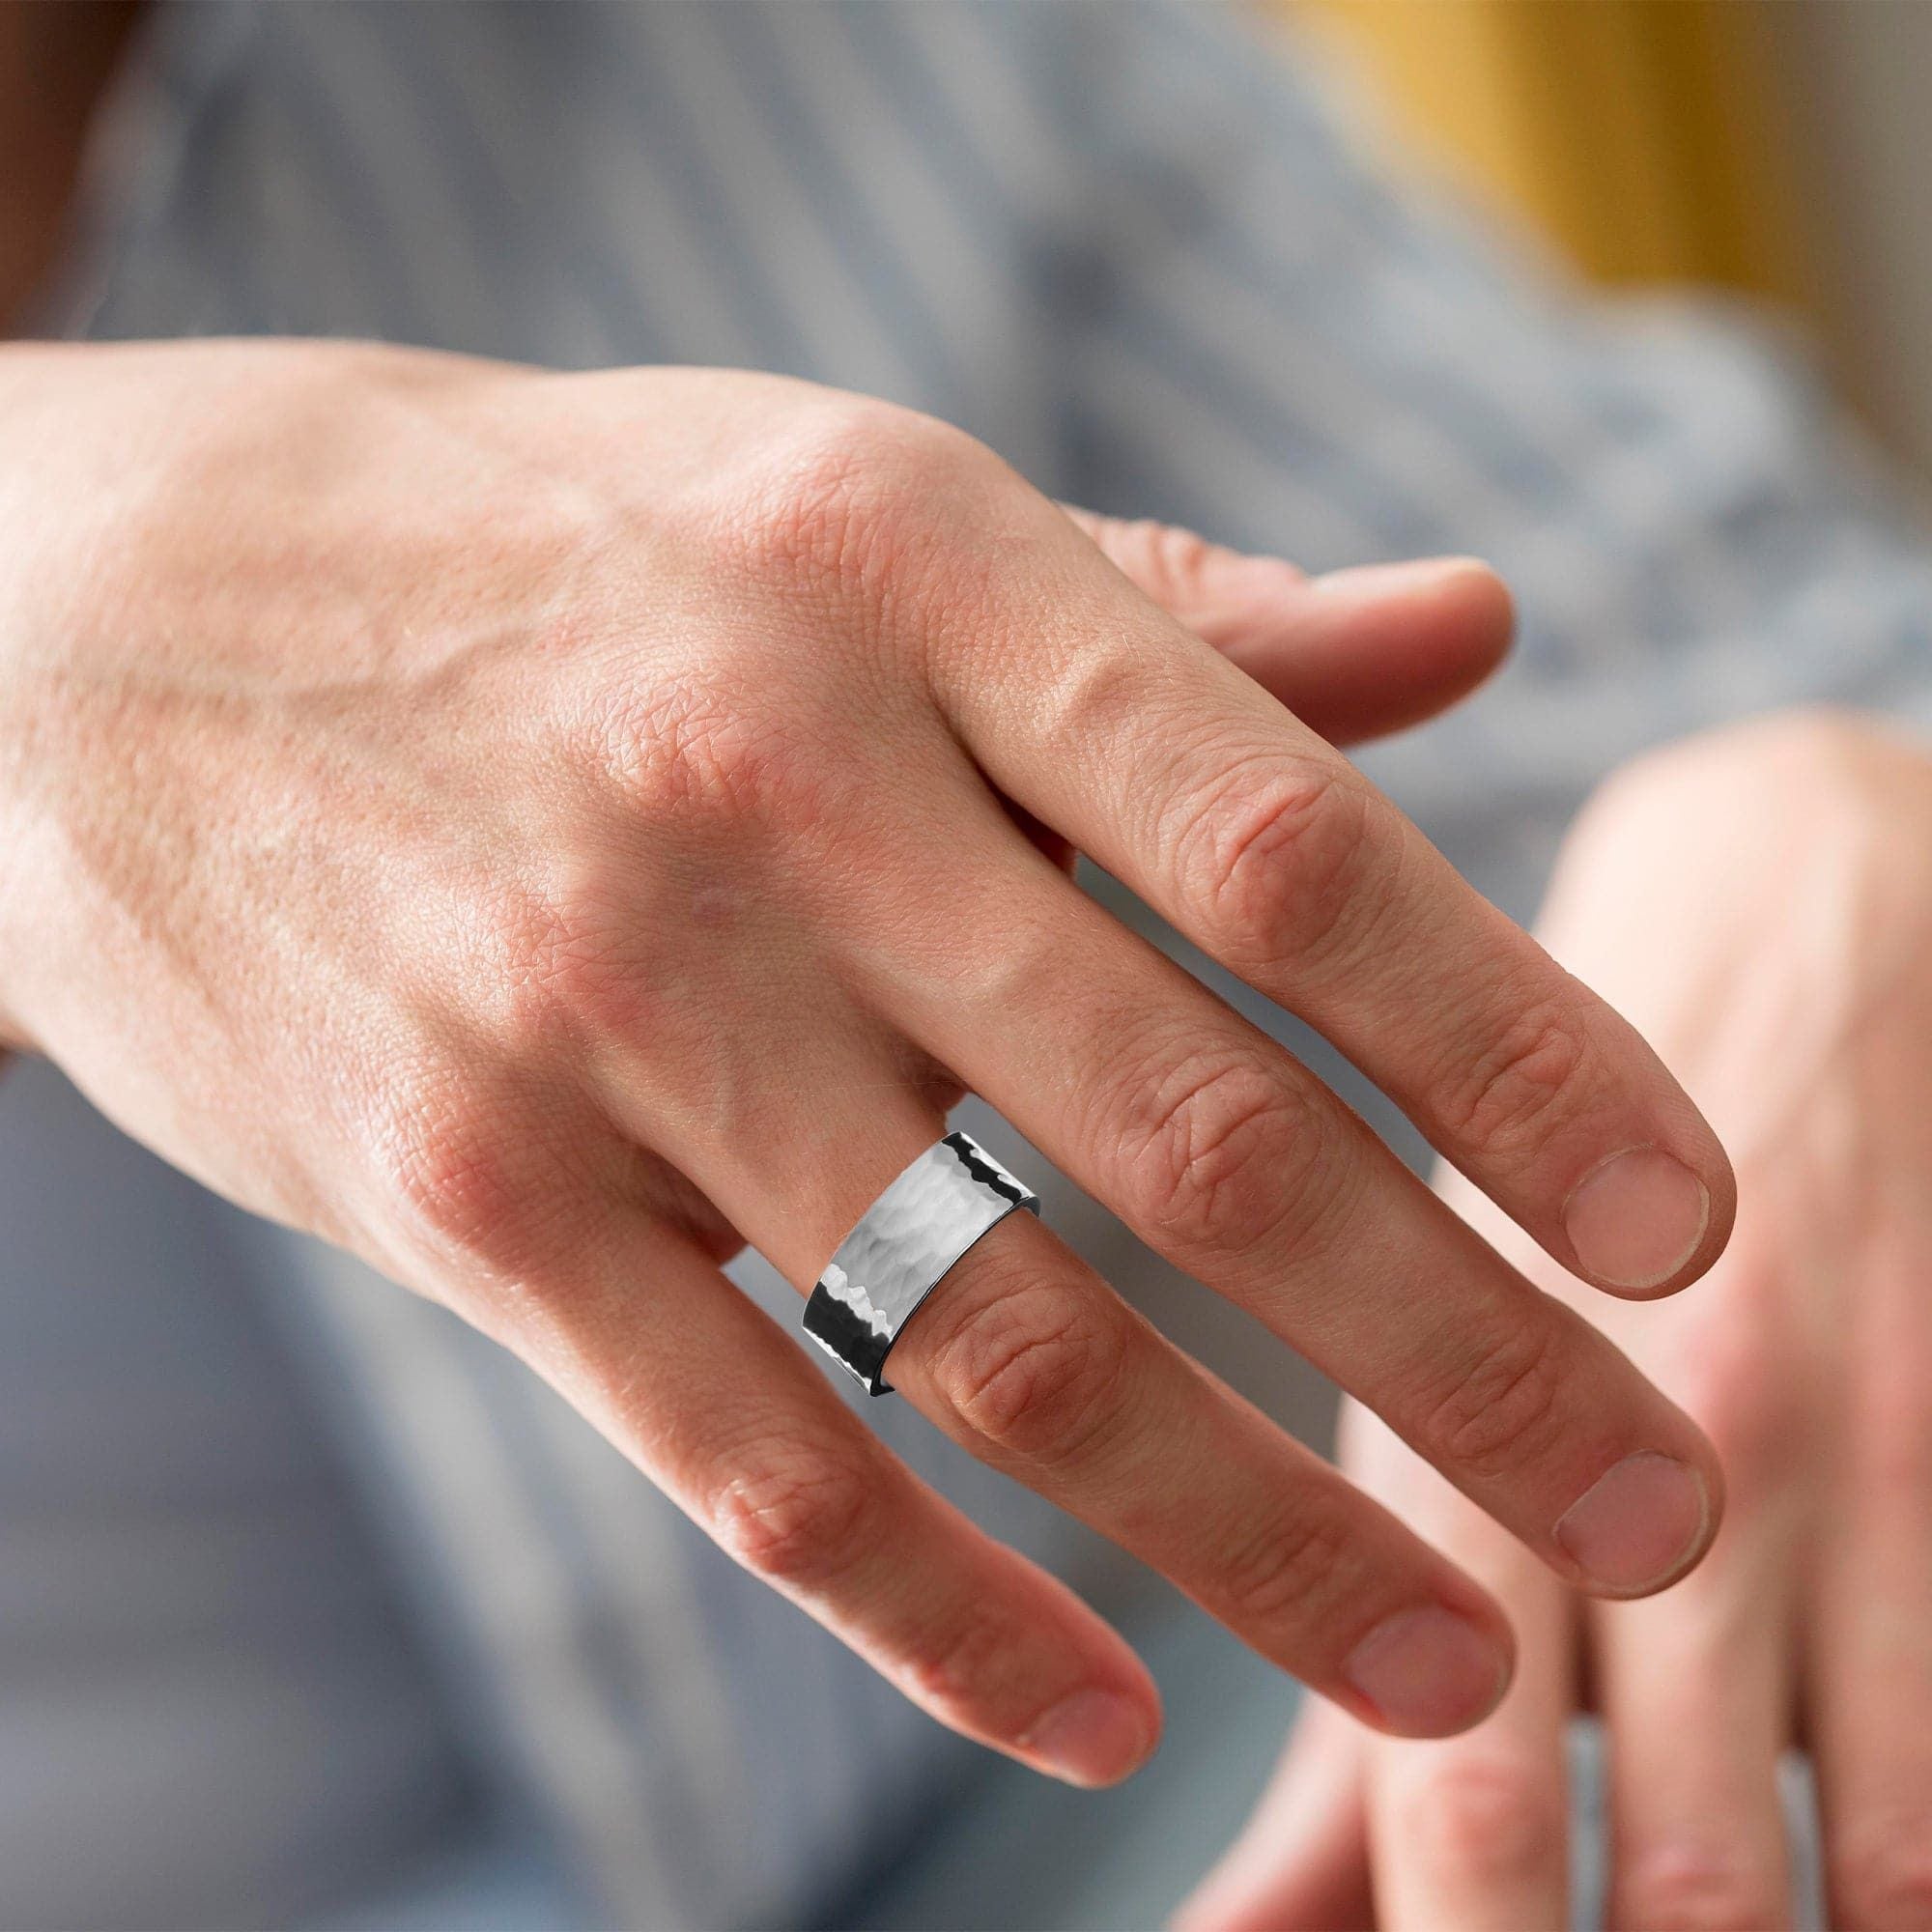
{"x":1356,"y":653}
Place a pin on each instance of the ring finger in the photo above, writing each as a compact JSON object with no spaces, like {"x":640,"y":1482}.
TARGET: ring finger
{"x":1028,"y":1359}
{"x":635,"y":1324}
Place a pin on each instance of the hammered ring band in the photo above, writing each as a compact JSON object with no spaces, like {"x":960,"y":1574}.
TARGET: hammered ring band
{"x":904,"y":1245}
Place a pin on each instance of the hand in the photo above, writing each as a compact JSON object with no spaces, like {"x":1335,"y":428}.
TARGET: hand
{"x":543,"y":832}
{"x":1760,"y":902}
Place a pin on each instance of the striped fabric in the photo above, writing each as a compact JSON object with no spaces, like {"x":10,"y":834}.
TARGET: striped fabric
{"x":1137,"y":254}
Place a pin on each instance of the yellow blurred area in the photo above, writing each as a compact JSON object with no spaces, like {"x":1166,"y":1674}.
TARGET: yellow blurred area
{"x":1644,"y":136}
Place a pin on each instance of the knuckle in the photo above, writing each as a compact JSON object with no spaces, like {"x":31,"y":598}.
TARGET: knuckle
{"x":1171,"y":563}
{"x":1033,"y":1373}
{"x":855,"y":493}
{"x":457,"y":1175}
{"x":708,"y":750}
{"x":1881,"y":1874}
{"x":800,"y":1524}
{"x":1501,"y":1411}
{"x":1698,"y":1888}
{"x":1494,"y":1818}
{"x":1530,"y":1076}
{"x":1273,"y":870}
{"x":973,"y":1662}
{"x":1218,"y":1151}
{"x":1286,"y":1572}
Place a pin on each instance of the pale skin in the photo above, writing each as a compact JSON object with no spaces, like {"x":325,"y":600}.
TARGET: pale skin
{"x":483,"y":818}
{"x":1761,"y":901}
{"x":541,"y":831}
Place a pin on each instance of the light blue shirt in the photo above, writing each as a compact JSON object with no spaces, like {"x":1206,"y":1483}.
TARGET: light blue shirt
{"x":1136,"y":252}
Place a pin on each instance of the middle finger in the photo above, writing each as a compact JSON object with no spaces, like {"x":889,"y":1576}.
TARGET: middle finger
{"x":1225,"y":1155}
{"x":1276,"y":856}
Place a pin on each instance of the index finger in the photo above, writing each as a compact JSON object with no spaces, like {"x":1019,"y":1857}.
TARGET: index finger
{"x":1270,"y":851}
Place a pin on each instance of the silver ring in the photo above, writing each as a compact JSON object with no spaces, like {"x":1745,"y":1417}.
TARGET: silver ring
{"x":904,"y":1247}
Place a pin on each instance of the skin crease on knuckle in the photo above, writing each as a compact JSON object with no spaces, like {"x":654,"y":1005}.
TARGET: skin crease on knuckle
{"x":1213,"y":1147}
{"x":1533,"y":1071}
{"x":1273,"y":864}
{"x":797,"y":1515}
{"x":1488,"y":1819}
{"x":1698,"y":1887}
{"x":1030,"y":1371}
{"x":1210,"y":1172}
{"x":1879,"y":1872}
{"x":1502,"y":1412}
{"x":1298,"y":1573}
{"x":707,"y":750}
{"x":876,"y":513}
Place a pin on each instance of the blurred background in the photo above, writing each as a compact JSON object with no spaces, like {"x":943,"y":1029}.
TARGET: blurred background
{"x":1777,"y":150}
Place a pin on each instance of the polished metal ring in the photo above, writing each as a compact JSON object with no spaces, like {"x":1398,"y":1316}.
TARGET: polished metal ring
{"x":903,"y":1248}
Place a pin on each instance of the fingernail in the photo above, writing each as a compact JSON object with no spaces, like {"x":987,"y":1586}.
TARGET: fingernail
{"x":1094,"y":1737}
{"x":1428,"y":1672}
{"x":1634,"y":1528}
{"x":1636,"y":1218}
{"x":1372,"y":580}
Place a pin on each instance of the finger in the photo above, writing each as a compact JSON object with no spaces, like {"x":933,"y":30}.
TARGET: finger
{"x":1302,"y":1863}
{"x":638,"y":1328}
{"x":1353,"y":653}
{"x":1032,"y":1362}
{"x":1868,"y":1670}
{"x":1366,"y":652}
{"x":1270,"y":850}
{"x":1025,"y":1357}
{"x":1473,"y":1833}
{"x":1695,"y":1691}
{"x":1223,"y":1152}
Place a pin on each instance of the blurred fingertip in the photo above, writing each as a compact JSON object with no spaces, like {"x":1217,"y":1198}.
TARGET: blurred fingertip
{"x":1469,"y":601}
